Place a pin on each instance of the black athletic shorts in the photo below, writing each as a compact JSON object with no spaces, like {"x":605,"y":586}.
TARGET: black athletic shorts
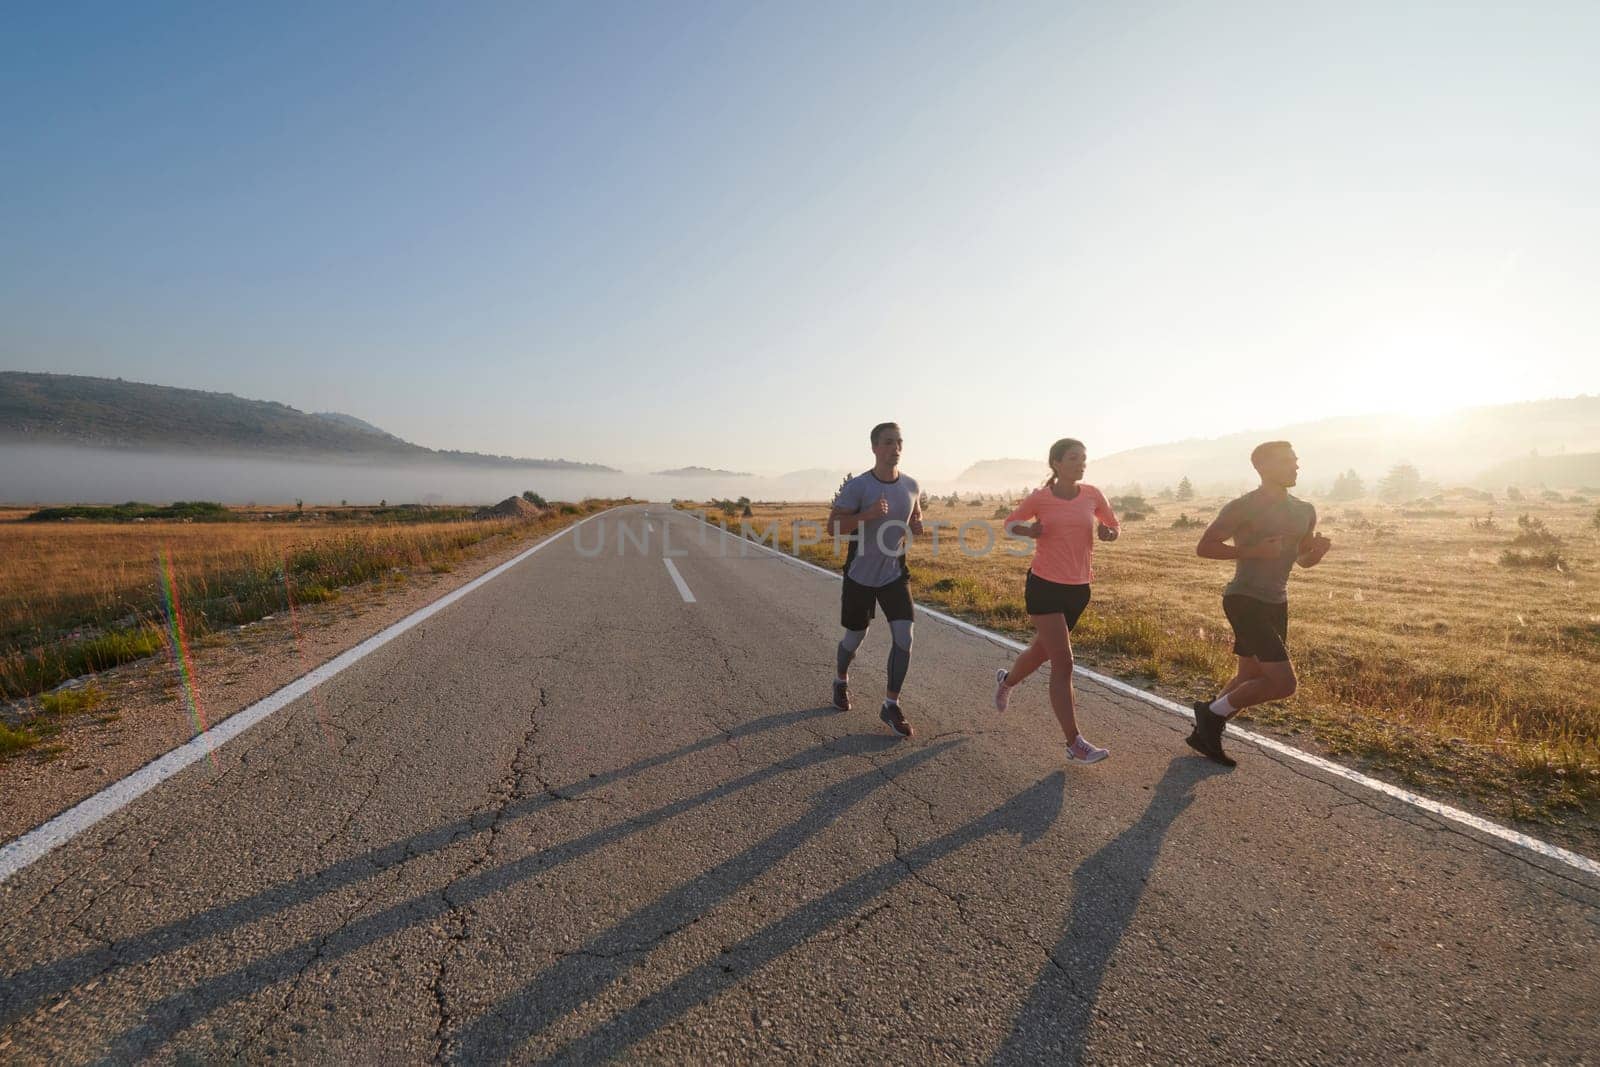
{"x":1044,"y":597}
{"x":857,"y":602}
{"x":1260,"y":629}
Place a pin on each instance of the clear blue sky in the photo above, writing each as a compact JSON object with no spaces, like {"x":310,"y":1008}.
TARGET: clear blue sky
{"x":663,"y":234}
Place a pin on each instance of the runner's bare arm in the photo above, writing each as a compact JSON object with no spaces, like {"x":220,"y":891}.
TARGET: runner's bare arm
{"x":1214,"y":542}
{"x":1313,"y":546}
{"x":844,"y":519}
{"x":1109,"y":527}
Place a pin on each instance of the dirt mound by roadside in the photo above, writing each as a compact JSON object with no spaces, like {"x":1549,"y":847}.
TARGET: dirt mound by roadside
{"x":512,"y":507}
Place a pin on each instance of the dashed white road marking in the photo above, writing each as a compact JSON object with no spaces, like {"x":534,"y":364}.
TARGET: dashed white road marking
{"x":677,"y":579}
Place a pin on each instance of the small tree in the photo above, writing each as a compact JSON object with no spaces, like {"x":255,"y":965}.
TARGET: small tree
{"x":1348,"y":486}
{"x":1402,"y":483}
{"x":1185,"y":489}
{"x":1513,"y":494}
{"x":1131,"y":507}
{"x":1534,"y":532}
{"x":535,"y":499}
{"x":747,"y":512}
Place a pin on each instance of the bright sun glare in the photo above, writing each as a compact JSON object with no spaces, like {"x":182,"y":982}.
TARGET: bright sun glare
{"x":1426,"y":376}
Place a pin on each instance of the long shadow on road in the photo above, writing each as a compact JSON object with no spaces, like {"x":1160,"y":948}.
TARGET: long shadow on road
{"x":39,"y":984}
{"x":1053,"y":1023}
{"x":1050,"y":1027}
{"x":1027,"y":815}
{"x":166,"y":1018}
{"x":583,"y":974}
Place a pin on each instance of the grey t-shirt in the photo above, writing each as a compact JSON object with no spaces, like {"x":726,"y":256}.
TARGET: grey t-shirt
{"x":878,"y":558}
{"x":1290,"y":518}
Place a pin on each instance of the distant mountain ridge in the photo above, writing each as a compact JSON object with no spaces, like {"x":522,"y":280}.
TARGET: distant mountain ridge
{"x":70,"y":409}
{"x":1007,"y":473}
{"x":340,"y":418}
{"x":703,"y":472}
{"x":1489,"y":447}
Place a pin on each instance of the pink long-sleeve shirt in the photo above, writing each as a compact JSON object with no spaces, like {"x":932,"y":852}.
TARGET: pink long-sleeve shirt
{"x":1066,"y":539}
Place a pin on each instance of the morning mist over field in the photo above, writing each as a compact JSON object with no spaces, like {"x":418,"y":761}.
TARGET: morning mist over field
{"x":1554,"y":444}
{"x":42,"y":474}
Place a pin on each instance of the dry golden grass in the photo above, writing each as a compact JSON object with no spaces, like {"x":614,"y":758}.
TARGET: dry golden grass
{"x":81,"y":595}
{"x":75,"y":573}
{"x":1417,"y":648}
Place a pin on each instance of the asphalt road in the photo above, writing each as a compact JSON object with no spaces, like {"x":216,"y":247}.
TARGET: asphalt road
{"x":576,"y":817}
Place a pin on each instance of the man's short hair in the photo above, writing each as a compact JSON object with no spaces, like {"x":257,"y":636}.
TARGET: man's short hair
{"x":1259,"y":454}
{"x":882,"y":426}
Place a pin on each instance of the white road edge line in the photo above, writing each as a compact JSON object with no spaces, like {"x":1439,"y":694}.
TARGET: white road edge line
{"x":677,"y":579}
{"x":1433,"y":807}
{"x":75,"y":820}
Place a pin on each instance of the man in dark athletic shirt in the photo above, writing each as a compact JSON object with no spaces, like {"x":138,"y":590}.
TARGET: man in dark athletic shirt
{"x":1271,"y":532}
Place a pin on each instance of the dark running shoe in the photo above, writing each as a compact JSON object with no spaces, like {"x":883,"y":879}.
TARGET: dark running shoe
{"x":1206,"y":738}
{"x":841,"y":695}
{"x":1201,"y":708}
{"x":891,"y":714}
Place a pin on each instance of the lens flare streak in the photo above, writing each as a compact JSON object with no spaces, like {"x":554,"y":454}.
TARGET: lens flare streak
{"x":177,"y":641}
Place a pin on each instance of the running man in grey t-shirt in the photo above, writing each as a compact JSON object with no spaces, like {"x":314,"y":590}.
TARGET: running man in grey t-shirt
{"x":1271,"y":532}
{"x":878,"y":511}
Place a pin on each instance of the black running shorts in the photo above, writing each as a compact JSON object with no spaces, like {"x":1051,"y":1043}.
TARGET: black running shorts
{"x":1045,"y":597}
{"x":1260,"y":629}
{"x":858,"y":603}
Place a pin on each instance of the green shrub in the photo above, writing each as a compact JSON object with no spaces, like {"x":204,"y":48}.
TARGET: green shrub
{"x":15,"y":740}
{"x":71,"y":701}
{"x":1534,"y":533}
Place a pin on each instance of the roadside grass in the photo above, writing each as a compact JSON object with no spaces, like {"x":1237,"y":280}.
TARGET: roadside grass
{"x":1419,"y":653}
{"x":44,"y":719}
{"x":82,"y":597}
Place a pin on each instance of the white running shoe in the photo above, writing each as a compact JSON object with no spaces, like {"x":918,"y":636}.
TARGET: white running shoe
{"x":1002,"y":691}
{"x":1081,"y":751}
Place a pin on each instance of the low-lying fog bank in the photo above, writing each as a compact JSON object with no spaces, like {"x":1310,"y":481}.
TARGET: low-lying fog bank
{"x":55,"y":475}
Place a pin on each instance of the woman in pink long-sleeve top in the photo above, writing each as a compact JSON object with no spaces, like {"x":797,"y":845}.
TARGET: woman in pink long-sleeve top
{"x":1067,"y":515}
